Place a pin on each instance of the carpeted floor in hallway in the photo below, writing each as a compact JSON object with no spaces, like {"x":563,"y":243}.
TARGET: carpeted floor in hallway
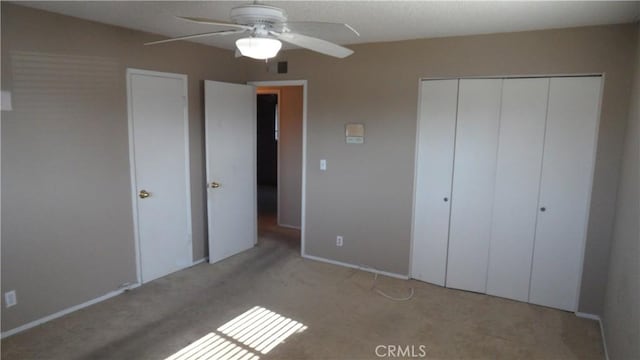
{"x":269,"y":303}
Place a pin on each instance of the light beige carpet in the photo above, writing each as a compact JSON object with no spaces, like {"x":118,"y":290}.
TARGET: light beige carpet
{"x":333,"y":311}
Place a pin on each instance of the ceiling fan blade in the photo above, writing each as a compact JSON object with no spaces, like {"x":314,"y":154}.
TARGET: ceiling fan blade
{"x":213,"y":22}
{"x":315,"y":44}
{"x":319,"y":27}
{"x":223,"y":32}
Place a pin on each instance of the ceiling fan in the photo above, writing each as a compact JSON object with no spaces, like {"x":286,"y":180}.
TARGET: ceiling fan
{"x":265,"y":27}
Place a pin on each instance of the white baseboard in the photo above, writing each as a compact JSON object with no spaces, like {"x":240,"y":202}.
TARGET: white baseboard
{"x":599,"y":320}
{"x":204,"y":259}
{"x":79,"y":306}
{"x":587,"y":316}
{"x":363,"y":268}
{"x":66,"y":311}
{"x":289,"y":226}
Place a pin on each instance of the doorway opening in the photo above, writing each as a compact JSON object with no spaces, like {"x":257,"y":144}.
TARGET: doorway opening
{"x":280,"y":112}
{"x":267,"y":152}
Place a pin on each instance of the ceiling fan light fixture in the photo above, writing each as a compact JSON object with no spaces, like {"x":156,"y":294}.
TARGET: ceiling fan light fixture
{"x":260,"y":48}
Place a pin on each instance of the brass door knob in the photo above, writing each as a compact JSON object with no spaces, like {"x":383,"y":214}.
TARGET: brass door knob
{"x":214,"y":185}
{"x":144,"y":194}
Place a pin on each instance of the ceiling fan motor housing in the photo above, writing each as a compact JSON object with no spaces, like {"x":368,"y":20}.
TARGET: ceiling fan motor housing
{"x":257,"y":15}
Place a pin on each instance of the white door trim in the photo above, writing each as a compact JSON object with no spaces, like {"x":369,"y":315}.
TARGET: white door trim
{"x":511,"y":76}
{"x":132,"y":163}
{"x":416,"y":159}
{"x":303,"y":195}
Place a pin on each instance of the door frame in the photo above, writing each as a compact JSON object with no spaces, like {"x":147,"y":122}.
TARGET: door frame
{"x":132,"y":163}
{"x":303,"y":184}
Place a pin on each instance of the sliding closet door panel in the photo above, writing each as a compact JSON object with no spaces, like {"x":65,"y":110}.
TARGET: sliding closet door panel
{"x":473,"y":183}
{"x":515,"y":200}
{"x":565,"y":189}
{"x":434,"y":167}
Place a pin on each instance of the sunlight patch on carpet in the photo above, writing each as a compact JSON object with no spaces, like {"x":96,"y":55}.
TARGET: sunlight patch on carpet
{"x":257,"y":330}
{"x":261,"y":329}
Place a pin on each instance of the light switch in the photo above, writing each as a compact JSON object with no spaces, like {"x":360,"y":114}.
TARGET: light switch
{"x":323,"y":164}
{"x":6,"y":101}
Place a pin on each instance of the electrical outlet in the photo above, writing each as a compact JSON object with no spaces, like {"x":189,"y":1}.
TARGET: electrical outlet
{"x":339,"y":240}
{"x":10,"y":298}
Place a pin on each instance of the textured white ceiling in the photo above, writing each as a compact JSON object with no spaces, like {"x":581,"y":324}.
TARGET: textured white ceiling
{"x":375,"y":20}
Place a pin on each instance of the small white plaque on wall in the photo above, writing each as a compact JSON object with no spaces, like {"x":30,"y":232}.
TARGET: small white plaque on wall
{"x":354,"y":133}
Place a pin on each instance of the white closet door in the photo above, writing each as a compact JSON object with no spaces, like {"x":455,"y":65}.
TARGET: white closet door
{"x":473,"y":183}
{"x":515,"y":201}
{"x":567,"y":171}
{"x":434,"y":167}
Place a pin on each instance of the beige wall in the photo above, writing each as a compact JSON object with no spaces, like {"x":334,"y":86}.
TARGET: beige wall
{"x":622,"y":302}
{"x":290,"y":106}
{"x":290,"y":156}
{"x":67,"y":234}
{"x":366,"y":192}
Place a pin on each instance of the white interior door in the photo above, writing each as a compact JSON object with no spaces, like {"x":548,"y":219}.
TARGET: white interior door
{"x":434,"y":170}
{"x":158,"y":127}
{"x":515,"y":201}
{"x":230,"y":130}
{"x":473,"y":183}
{"x":565,"y":190}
